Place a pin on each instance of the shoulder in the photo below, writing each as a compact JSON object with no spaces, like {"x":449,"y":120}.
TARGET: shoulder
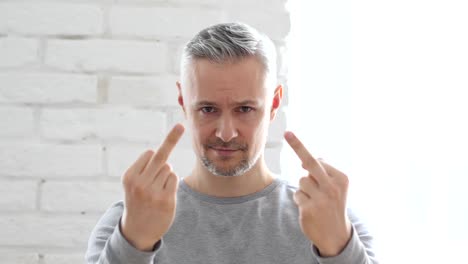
{"x":285,"y":186}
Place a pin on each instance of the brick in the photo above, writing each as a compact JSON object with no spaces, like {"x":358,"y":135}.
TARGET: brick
{"x":107,"y":55}
{"x":161,"y":21}
{"x":18,"y":195}
{"x":79,"y":196}
{"x":72,"y":258}
{"x":17,"y":51}
{"x":275,"y":24}
{"x":46,"y":231}
{"x":51,"y":18}
{"x":47,"y":88}
{"x":197,"y":2}
{"x":49,"y":160}
{"x":108,"y":123}
{"x":146,"y":91}
{"x":18,"y":121}
{"x":177,"y":58}
{"x":15,"y":257}
{"x":268,"y":5}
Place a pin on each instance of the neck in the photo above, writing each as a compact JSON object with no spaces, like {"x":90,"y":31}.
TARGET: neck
{"x":255,"y":180}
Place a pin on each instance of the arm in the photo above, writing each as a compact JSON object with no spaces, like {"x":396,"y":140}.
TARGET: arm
{"x":359,"y":248}
{"x":107,"y":244}
{"x":321,"y":198}
{"x":126,"y":234}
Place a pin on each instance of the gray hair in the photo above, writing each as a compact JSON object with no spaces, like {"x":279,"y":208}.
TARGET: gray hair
{"x":230,"y":42}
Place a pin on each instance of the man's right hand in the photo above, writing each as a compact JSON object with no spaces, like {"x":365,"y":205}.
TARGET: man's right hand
{"x":150,"y":188}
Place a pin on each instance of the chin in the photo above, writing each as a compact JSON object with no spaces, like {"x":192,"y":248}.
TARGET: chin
{"x":237,"y":169}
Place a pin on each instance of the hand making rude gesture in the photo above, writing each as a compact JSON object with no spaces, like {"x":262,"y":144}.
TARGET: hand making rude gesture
{"x":150,"y":193}
{"x":321,"y":199}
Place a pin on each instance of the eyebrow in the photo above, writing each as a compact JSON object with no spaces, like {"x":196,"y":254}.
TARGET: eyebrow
{"x":208,"y":103}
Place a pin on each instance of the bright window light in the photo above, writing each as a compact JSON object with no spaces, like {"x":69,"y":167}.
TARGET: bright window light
{"x":379,"y":89}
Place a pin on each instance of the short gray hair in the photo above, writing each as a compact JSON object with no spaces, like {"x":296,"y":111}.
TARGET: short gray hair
{"x":230,"y":42}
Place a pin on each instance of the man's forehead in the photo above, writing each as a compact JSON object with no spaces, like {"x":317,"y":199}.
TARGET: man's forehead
{"x":227,"y":101}
{"x":240,"y":72}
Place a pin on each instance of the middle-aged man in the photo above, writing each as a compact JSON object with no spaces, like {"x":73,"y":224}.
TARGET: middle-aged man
{"x":230,"y":208}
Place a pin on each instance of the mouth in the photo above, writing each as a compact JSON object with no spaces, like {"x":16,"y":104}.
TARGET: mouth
{"x":225,"y":151}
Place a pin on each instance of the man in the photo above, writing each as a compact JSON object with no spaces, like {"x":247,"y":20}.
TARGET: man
{"x":231,"y":208}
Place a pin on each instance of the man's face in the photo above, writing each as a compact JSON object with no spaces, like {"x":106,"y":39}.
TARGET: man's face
{"x":229,"y":108}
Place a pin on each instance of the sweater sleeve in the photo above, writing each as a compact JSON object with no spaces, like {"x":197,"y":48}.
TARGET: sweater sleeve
{"x":107,"y":244}
{"x":358,"y":250}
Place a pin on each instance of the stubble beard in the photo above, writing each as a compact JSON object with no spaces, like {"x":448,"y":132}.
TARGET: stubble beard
{"x":243,"y":166}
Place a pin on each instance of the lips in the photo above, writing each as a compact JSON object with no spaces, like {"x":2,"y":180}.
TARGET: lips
{"x":224,"y":151}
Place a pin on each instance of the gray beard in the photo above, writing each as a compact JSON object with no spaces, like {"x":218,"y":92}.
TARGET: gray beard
{"x":241,"y":168}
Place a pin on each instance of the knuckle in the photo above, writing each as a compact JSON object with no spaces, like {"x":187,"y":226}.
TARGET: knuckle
{"x":345,"y":180}
{"x":172,"y":176}
{"x":160,"y":201}
{"x":334,"y":192}
{"x":303,"y":181}
{"x":127,"y":179}
{"x":149,"y":152}
{"x":138,"y":191}
{"x":307,"y":210}
{"x":166,"y":168}
{"x":296,"y":196}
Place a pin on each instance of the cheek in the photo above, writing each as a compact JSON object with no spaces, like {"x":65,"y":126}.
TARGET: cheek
{"x":201,"y":133}
{"x":256,"y":132}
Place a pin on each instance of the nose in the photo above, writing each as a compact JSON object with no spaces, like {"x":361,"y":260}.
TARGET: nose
{"x":226,"y":129}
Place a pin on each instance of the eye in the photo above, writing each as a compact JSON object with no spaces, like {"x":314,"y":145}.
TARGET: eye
{"x":208,"y":109}
{"x":245,"y":109}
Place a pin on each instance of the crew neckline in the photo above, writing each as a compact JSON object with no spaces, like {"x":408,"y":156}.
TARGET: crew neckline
{"x":229,"y":200}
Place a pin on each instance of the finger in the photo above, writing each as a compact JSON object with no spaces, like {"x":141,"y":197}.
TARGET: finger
{"x":300,"y":197}
{"x":308,"y":185}
{"x":160,"y":157}
{"x":161,"y":177}
{"x":308,"y":161}
{"x":334,"y":173}
{"x":140,"y":163}
{"x":171,"y":183}
{"x":169,"y":143}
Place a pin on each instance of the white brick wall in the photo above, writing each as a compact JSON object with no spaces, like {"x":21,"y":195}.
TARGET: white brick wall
{"x":20,"y":121}
{"x":159,"y":21}
{"x":85,"y":88}
{"x":47,"y":88}
{"x":17,"y":51}
{"x":90,"y":55}
{"x":109,"y":124}
{"x":143,"y":91}
{"x":51,"y":18}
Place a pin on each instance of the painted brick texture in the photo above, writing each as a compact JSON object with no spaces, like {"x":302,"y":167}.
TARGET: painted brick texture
{"x":85,"y":88}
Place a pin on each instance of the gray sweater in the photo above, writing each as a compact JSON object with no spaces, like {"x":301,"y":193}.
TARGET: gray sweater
{"x":258,"y":228}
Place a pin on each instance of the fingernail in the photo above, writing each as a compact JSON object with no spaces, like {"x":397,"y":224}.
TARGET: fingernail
{"x":288,"y":135}
{"x":179,"y":127}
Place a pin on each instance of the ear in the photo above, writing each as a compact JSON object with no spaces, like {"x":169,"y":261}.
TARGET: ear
{"x":277,"y":97}
{"x":180,"y":98}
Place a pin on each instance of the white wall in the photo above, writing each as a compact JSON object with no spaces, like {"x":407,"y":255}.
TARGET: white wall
{"x":85,"y":86}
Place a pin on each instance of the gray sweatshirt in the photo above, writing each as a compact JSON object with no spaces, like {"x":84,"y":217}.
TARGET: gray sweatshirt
{"x":258,"y":228}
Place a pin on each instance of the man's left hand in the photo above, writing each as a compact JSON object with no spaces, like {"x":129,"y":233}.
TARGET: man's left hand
{"x":321,"y":199}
